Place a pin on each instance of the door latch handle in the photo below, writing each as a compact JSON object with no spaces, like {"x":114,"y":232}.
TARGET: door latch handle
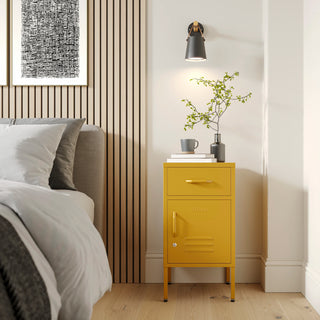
{"x":174,"y":223}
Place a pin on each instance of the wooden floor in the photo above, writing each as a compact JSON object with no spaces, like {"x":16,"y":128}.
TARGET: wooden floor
{"x":200,"y":301}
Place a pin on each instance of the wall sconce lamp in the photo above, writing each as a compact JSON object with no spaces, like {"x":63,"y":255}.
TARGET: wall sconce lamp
{"x":195,"y":43}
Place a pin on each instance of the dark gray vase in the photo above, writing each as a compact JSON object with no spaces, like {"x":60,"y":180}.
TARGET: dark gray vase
{"x":218,"y":148}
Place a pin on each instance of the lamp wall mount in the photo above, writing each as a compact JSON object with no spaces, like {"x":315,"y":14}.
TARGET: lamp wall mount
{"x":195,"y":27}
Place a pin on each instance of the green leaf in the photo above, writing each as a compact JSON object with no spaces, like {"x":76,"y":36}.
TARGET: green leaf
{"x":219,"y":103}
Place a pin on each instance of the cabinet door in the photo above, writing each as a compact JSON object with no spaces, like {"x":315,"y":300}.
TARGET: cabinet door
{"x":199,"y":231}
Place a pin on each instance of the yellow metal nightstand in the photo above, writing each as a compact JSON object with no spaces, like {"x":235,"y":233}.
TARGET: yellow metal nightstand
{"x":199,"y":218}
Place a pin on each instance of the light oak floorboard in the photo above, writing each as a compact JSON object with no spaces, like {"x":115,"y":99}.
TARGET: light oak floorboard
{"x":200,"y":302}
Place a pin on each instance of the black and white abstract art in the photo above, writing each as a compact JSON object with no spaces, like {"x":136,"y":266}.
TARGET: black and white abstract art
{"x":50,"y":42}
{"x":3,"y":43}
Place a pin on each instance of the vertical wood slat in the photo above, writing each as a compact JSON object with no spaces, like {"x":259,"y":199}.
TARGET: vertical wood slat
{"x":52,"y":104}
{"x":97,"y":65}
{"x":12,"y":109}
{"x":130,"y":141}
{"x":116,"y":138}
{"x":143,"y":124}
{"x":58,"y":100}
{"x":110,"y":153}
{"x":114,"y":100}
{"x":64,"y":102}
{"x":136,"y":131}
{"x":11,"y":90}
{"x":5,"y":98}
{"x":84,"y":103}
{"x":25,"y":102}
{"x":103,"y":64}
{"x":44,"y":102}
{"x":32,"y":110}
{"x":18,"y":105}
{"x":71,"y":100}
{"x":123,"y":139}
{"x":90,"y":88}
{"x":38,"y":102}
{"x":77,"y":102}
{"x":103,"y":95}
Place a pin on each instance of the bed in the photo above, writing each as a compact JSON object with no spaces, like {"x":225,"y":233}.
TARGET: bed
{"x":53,"y":262}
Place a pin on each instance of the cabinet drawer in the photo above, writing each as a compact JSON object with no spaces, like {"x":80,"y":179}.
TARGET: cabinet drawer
{"x":199,"y":231}
{"x":199,"y":181}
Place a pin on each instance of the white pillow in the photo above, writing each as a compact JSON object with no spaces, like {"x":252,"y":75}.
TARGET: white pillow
{"x":27,"y":152}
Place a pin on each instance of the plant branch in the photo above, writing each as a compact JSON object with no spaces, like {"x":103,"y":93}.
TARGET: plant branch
{"x":220,"y":102}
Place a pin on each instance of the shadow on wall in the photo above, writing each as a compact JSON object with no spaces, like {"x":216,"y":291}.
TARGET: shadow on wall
{"x":213,"y":34}
{"x":231,"y":53}
{"x":283,"y":234}
{"x":285,"y":216}
{"x":248,"y":212}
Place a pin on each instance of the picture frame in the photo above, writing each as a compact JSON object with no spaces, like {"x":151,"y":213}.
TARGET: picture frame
{"x":49,"y":45}
{"x":3,"y":43}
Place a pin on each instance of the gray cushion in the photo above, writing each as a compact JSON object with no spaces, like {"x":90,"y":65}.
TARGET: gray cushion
{"x":62,"y":172}
{"x":5,"y":121}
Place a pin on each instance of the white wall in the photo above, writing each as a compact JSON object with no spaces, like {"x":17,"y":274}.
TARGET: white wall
{"x":312,"y":151}
{"x":283,"y":228}
{"x":233,"y":32}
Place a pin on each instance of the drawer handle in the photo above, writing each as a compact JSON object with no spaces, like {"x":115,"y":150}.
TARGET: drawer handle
{"x":198,"y":181}
{"x":174,"y":223}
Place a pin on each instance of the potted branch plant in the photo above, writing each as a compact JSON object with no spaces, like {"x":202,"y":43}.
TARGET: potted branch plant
{"x":216,"y":107}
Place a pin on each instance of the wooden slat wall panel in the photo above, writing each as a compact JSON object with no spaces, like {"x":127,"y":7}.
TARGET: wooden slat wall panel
{"x":143,"y":135}
{"x":129,"y":141}
{"x":123,"y":138}
{"x":136,"y":139}
{"x":114,"y":99}
{"x":110,"y":155}
{"x":116,"y":140}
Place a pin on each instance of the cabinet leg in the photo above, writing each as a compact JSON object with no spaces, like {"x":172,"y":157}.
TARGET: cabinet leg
{"x":233,"y":284}
{"x":227,"y":272}
{"x":169,"y":275}
{"x":165,"y":284}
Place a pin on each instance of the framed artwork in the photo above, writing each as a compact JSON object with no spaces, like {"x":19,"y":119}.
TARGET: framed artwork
{"x":49,"y":42}
{"x":3,"y":43}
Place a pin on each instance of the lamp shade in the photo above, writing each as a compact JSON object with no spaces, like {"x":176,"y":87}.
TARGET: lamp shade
{"x":195,"y":48}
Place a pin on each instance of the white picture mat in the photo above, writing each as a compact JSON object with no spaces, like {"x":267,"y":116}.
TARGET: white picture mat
{"x":18,"y":80}
{"x":3,"y":42}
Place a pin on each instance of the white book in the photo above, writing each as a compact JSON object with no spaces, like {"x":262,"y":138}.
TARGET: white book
{"x":192,"y":160}
{"x":192,"y":156}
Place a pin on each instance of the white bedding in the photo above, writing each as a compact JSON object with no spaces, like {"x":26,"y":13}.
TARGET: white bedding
{"x":73,"y":248}
{"x":82,"y":200}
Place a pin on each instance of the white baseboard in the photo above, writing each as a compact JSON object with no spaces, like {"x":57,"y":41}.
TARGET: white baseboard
{"x":281,"y":275}
{"x":274,"y":275}
{"x":312,"y":286}
{"x":247,"y":270}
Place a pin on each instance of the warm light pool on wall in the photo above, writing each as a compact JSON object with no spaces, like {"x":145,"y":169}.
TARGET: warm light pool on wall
{"x":195,"y":43}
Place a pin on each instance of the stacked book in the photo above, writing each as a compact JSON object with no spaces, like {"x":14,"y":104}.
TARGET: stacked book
{"x":192,"y":157}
